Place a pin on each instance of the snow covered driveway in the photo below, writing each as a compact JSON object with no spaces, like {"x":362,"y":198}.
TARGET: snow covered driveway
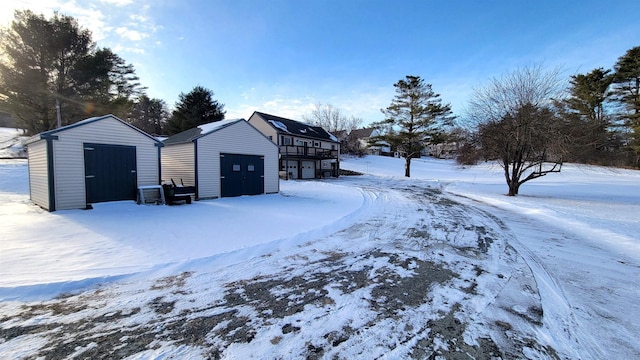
{"x":412,"y":274}
{"x":587,"y":275}
{"x":359,"y":267}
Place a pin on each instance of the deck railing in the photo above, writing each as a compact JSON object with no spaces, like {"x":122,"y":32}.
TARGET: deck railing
{"x":307,"y":151}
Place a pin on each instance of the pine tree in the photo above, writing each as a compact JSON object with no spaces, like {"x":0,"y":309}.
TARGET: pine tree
{"x":53,"y":61}
{"x":588,"y":123}
{"x":415,"y":112}
{"x":194,"y":108}
{"x":149,"y":115}
{"x":626,"y":92}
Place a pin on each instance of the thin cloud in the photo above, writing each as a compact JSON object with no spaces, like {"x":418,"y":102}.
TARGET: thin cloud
{"x":119,"y":3}
{"x":130,"y":34}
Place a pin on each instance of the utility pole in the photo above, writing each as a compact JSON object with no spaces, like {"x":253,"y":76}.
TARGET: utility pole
{"x":58,"y":113}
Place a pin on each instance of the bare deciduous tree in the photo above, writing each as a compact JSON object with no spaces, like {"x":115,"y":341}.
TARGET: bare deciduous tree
{"x":525,"y":143}
{"x":517,"y":125}
{"x":331,"y":119}
{"x":529,"y":85}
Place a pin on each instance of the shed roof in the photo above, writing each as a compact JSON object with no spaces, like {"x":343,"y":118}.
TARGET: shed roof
{"x":296,"y":127}
{"x":50,"y":133}
{"x":199,"y":131}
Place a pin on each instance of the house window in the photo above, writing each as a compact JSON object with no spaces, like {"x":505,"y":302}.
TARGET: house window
{"x":333,"y":146}
{"x":236,"y":167}
{"x":286,"y":140}
{"x":250,"y":167}
{"x":316,"y":143}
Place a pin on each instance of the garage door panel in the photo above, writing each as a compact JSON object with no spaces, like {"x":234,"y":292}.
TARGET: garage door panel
{"x":308,"y":169}
{"x":110,"y":172}
{"x":241,"y":175}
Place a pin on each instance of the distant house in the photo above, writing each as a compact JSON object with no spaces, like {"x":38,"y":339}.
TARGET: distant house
{"x":358,"y":142}
{"x":95,"y":160}
{"x":222,"y":159}
{"x":306,"y":151}
{"x":445,"y":150}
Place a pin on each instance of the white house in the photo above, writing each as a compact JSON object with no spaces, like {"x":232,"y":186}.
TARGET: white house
{"x":306,"y":151}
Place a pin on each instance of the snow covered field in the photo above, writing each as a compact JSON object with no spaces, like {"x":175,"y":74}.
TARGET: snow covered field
{"x":10,"y":143}
{"x":552,"y":272}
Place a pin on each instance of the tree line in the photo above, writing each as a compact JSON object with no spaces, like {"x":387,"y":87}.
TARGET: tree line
{"x":529,"y":120}
{"x":53,"y":74}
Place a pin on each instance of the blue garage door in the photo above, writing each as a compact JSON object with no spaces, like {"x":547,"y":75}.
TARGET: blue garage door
{"x":241,"y":174}
{"x":110,"y":172}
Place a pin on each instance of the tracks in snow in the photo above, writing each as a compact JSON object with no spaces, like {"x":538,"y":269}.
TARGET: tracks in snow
{"x":412,"y":274}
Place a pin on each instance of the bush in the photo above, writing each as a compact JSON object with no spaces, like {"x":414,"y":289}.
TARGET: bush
{"x":468,"y":155}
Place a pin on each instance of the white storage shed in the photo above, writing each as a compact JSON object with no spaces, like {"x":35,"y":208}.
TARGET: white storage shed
{"x":222,"y":159}
{"x":95,"y":160}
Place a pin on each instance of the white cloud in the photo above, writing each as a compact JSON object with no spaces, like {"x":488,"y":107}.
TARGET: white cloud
{"x":130,"y":34}
{"x":288,"y":108}
{"x":136,"y":50}
{"x":117,"y":2}
{"x":139,"y":18}
{"x":364,"y":102}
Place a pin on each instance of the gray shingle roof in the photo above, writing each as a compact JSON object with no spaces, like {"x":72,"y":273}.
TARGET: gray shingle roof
{"x":199,"y":131}
{"x":296,"y":127}
{"x":53,"y":132}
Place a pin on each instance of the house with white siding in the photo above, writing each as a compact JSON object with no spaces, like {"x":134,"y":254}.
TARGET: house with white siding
{"x":95,"y":160}
{"x":222,"y":159}
{"x":306,"y":151}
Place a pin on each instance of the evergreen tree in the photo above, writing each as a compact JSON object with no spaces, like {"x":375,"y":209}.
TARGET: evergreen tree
{"x":149,"y":115}
{"x":107,"y":83}
{"x":194,"y":108}
{"x":626,"y":93}
{"x":415,"y":113}
{"x":39,"y":55}
{"x":49,"y":62}
{"x":588,"y":124}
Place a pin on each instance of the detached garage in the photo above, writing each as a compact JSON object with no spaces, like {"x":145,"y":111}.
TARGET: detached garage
{"x":222,"y":159}
{"x":95,"y":160}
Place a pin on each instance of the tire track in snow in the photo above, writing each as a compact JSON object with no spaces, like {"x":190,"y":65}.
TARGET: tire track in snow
{"x":559,"y":317}
{"x":400,"y":279}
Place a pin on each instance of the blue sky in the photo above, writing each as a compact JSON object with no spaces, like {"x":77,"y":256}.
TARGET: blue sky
{"x":283,"y":57}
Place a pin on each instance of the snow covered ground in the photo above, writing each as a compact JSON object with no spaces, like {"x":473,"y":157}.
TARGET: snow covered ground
{"x":552,"y":272}
{"x":11,"y":143}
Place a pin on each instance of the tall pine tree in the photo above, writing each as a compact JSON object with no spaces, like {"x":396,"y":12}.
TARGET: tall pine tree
{"x":53,"y":61}
{"x":39,"y":57}
{"x":588,"y":124}
{"x":414,"y":114}
{"x":194,"y":108}
{"x":626,"y":92}
{"x":149,"y":115}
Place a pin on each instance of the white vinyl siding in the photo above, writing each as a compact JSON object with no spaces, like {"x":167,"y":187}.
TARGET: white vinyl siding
{"x":39,"y":174}
{"x":68,"y":157}
{"x":239,"y":138}
{"x":178,"y":163}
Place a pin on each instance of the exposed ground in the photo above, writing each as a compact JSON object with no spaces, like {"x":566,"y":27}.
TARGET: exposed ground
{"x":449,"y":285}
